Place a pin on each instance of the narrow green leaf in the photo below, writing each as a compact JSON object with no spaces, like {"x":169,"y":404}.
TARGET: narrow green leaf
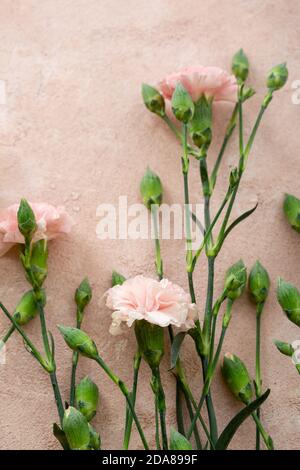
{"x":238,"y":220}
{"x":175,"y":349}
{"x":235,"y":423}
{"x":178,"y":441}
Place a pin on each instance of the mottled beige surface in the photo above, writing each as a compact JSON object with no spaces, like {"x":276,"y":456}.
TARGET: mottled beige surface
{"x":74,"y":131}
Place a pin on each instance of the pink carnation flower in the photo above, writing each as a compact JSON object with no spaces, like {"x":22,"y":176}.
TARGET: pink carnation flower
{"x":212,"y":82}
{"x":140,"y":298}
{"x":51,"y":222}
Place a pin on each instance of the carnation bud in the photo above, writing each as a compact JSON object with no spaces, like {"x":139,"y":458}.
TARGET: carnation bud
{"x":237,"y":377}
{"x":39,"y":261}
{"x":182,"y":104}
{"x":288,"y":297}
{"x":277,"y":77}
{"x":83,"y":294}
{"x":150,"y":339}
{"x":95,"y":440}
{"x":291,"y":208}
{"x":27,"y":309}
{"x":201,"y":124}
{"x":234,"y":178}
{"x":285,"y":348}
{"x":87,"y":395}
{"x":79,"y":341}
{"x":240,"y":65}
{"x":117,"y":279}
{"x":76,"y":429}
{"x":178,"y":441}
{"x":235,"y":280}
{"x":259,"y":283}
{"x":153,"y":100}
{"x":151,"y":189}
{"x":26,"y":220}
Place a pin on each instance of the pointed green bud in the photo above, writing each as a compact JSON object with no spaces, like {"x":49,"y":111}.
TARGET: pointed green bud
{"x":87,"y":396}
{"x":117,"y":279}
{"x":233,"y":178}
{"x":240,"y":65}
{"x":237,"y":377}
{"x":288,"y":297}
{"x":291,"y":208}
{"x":285,"y":348}
{"x":76,"y":429}
{"x":150,"y":339}
{"x":39,"y":261}
{"x":151,"y":189}
{"x":83,"y":294}
{"x":182,"y":104}
{"x":153,"y":100}
{"x":27,"y":309}
{"x":235,"y":280}
{"x":26,"y":220}
{"x":277,"y":77}
{"x":79,"y":341}
{"x":178,"y":441}
{"x":248,"y":92}
{"x":200,"y":127}
{"x":259,"y":283}
{"x":95,"y":440}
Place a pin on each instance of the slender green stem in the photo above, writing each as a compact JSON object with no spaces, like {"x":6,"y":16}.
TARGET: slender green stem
{"x":157,"y":438}
{"x":241,"y":130}
{"x":179,"y":411}
{"x":75,"y":358}
{"x":267,"y":439}
{"x":228,"y":134}
{"x":258,"y":381}
{"x":178,"y":134}
{"x":129,"y":418}
{"x":7,"y":336}
{"x":44,"y":329}
{"x":158,"y":258}
{"x":126,"y":394}
{"x":57,"y":396}
{"x":191,"y":414}
{"x":161,"y":404}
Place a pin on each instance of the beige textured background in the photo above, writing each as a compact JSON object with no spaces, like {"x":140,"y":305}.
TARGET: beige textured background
{"x":74,"y":131}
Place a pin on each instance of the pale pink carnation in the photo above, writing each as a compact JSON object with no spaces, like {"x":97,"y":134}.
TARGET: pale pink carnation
{"x":51,"y":222}
{"x":212,"y":82}
{"x":159,"y":302}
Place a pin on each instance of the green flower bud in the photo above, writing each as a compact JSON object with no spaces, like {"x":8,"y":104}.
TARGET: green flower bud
{"x":288,"y":297}
{"x":76,"y":429}
{"x":285,"y":348}
{"x":151,"y":189}
{"x":26,"y":220}
{"x":150,"y":339}
{"x":153,"y":100}
{"x":83,"y":294}
{"x":26,"y":309}
{"x":259,"y":283}
{"x":39,"y":261}
{"x":237,"y":378}
{"x":87,"y":395}
{"x":95,"y":440}
{"x":182,"y":104}
{"x":233,"y":178}
{"x":79,"y":341}
{"x":277,"y":77}
{"x":117,"y":279}
{"x":240,"y":65}
{"x":291,"y":208}
{"x":235,"y":280}
{"x":201,"y":123}
{"x":178,"y":441}
{"x":248,"y":92}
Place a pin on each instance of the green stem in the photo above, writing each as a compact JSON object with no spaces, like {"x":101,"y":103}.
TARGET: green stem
{"x":158,"y":258}
{"x":126,"y":394}
{"x":129,"y":418}
{"x":267,"y":439}
{"x":44,"y":328}
{"x":75,"y":358}
{"x":7,"y":336}
{"x":258,"y":382}
{"x":178,"y":134}
{"x":161,"y":404}
{"x":179,"y":411}
{"x":57,"y":396}
{"x":191,"y":414}
{"x":157,"y":438}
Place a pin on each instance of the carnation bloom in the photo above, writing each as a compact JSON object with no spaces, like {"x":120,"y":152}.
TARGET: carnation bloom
{"x":51,"y":221}
{"x":212,"y":82}
{"x":159,"y":302}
